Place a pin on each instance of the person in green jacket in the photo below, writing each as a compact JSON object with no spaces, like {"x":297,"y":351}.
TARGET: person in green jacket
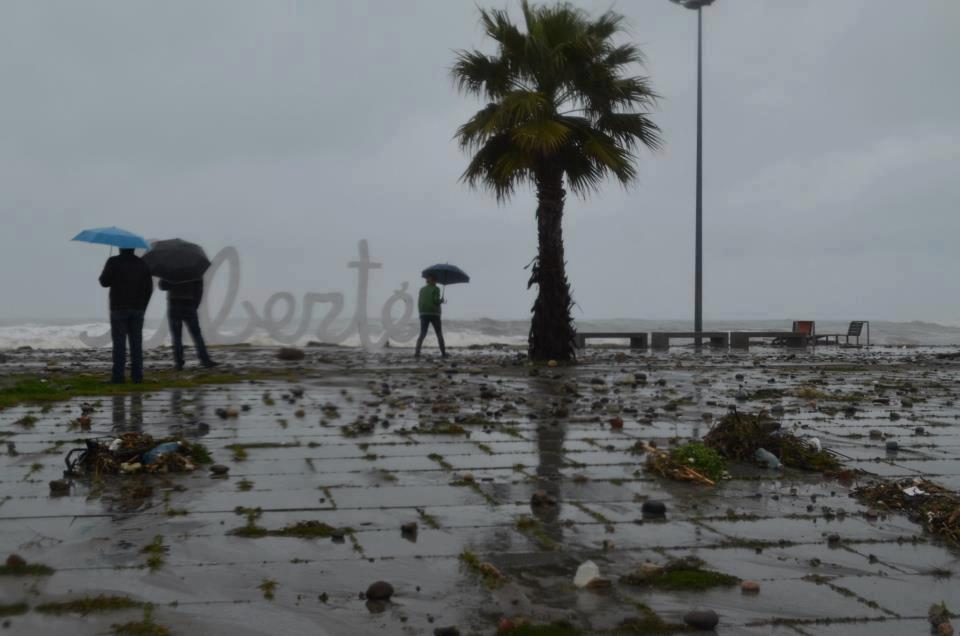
{"x":429,"y":305}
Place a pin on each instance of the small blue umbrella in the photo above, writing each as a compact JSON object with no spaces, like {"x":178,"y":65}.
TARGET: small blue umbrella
{"x":112,"y":236}
{"x":446,"y":274}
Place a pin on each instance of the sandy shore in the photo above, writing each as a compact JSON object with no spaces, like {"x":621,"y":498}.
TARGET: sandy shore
{"x":459,"y":447}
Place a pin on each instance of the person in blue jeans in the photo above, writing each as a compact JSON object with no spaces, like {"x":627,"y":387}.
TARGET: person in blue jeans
{"x":130,"y":286}
{"x":183,"y":300}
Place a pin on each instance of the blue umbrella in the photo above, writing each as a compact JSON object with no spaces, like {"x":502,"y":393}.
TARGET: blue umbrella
{"x":112,"y":236}
{"x":446,"y":274}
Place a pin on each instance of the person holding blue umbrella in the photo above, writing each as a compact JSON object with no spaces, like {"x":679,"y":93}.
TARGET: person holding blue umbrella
{"x":131,"y":287}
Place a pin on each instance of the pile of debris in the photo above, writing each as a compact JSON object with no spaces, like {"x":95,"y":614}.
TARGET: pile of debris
{"x":134,"y":453}
{"x":692,"y":462}
{"x":934,"y":507}
{"x":757,"y":437}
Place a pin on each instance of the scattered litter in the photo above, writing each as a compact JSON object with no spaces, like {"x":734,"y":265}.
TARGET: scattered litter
{"x":135,"y":452}
{"x":934,"y":507}
{"x":587,"y":571}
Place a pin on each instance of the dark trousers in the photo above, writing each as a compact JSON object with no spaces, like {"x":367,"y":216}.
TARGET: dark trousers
{"x":126,"y":325}
{"x":180,"y":315}
{"x":425,"y":322}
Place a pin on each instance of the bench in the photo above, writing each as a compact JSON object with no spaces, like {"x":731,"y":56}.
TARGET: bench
{"x":661,"y":339}
{"x":638,"y":340}
{"x":853,"y":331}
{"x":741,"y":339}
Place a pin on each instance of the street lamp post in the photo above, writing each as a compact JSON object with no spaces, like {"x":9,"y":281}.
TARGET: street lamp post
{"x":698,"y":266}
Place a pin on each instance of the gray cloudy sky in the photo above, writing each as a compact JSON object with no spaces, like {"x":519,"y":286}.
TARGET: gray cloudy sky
{"x":293,"y":129}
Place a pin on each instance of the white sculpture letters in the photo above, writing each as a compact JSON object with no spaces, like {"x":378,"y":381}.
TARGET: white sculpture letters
{"x":278,"y":327}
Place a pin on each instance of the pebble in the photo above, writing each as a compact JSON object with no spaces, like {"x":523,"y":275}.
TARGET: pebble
{"x":379,"y":591}
{"x":654,"y":508}
{"x":750,"y":587}
{"x":945,"y":629}
{"x":219,"y":469}
{"x":540,"y":499}
{"x":649,"y":569}
{"x":59,"y":487}
{"x":290,"y":353}
{"x":833,"y":540}
{"x":409,"y":529}
{"x":892,"y":445}
{"x":701,"y":619}
{"x":16,"y":561}
{"x":875,"y":434}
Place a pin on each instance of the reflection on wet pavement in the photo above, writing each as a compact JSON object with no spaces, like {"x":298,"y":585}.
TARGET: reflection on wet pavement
{"x":359,"y":445}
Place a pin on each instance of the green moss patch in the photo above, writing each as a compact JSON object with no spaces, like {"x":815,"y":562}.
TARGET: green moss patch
{"x":13,"y":609}
{"x":90,"y":605}
{"x":17,"y":567}
{"x":34,"y":389}
{"x":686,"y":574}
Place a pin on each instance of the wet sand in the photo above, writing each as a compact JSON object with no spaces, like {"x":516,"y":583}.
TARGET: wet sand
{"x":459,"y":447}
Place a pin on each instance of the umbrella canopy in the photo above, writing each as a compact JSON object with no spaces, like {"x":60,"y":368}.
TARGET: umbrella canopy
{"x":177,"y":261}
{"x":112,"y":236}
{"x":446,"y":274}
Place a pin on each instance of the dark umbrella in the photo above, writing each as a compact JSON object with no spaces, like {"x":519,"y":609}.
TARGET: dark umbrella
{"x":177,"y":261}
{"x":446,"y":274}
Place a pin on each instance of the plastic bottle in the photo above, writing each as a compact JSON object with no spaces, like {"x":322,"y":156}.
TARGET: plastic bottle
{"x":156,"y":452}
{"x":767,"y":458}
{"x":587,"y":571}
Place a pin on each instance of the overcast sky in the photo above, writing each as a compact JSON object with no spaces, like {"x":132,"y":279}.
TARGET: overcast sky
{"x":291,"y":130}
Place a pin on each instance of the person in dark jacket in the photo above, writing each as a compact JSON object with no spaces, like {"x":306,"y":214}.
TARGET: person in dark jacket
{"x":183,"y":299}
{"x":130,"y":286}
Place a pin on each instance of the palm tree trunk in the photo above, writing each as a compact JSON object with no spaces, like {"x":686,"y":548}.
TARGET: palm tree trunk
{"x":551,"y":330}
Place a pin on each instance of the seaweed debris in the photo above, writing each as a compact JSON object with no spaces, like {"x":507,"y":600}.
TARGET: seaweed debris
{"x":690,"y":462}
{"x":738,"y":436}
{"x":934,"y":507}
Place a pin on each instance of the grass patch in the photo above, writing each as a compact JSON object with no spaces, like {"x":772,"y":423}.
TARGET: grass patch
{"x":27,"y":421}
{"x":268,"y":587}
{"x":559,"y":628}
{"x":647,"y":624}
{"x":19,"y":567}
{"x":13,"y":609}
{"x":156,"y":552}
{"x":33,"y":389}
{"x":145,"y":627}
{"x":90,"y":605}
{"x":240,"y":450}
{"x":440,"y":460}
{"x":701,"y":458}
{"x":429,"y":520}
{"x":686,"y":574}
{"x":531,"y":527}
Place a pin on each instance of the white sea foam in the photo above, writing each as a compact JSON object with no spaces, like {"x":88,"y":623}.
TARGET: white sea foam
{"x":464,"y":333}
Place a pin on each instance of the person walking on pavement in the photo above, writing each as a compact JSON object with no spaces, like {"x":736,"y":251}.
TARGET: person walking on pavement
{"x":429,"y":304}
{"x":130,"y":286}
{"x":183,"y":299}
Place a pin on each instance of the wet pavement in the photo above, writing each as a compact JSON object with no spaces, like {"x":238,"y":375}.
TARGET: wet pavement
{"x":459,"y":447}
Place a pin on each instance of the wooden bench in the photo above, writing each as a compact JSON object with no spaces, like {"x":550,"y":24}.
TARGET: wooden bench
{"x":661,"y":339}
{"x":741,"y":339}
{"x":638,"y":340}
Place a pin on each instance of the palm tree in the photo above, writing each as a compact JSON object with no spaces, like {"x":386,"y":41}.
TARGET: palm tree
{"x":561,"y":111}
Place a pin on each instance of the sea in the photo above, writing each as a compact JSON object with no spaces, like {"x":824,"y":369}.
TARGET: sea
{"x":65,"y":334}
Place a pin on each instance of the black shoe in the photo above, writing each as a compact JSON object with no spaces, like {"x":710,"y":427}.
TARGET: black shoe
{"x":209,"y":364}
